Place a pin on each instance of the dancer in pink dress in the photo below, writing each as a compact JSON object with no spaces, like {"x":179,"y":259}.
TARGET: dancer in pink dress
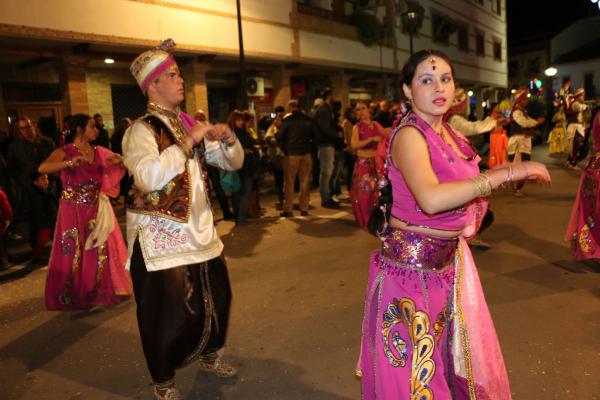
{"x":366,"y":135}
{"x":584,"y":231}
{"x":427,"y":332}
{"x":87,"y":263}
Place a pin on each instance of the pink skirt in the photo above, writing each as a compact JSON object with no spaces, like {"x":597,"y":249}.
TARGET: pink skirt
{"x":420,"y":338}
{"x":79,"y":278}
{"x":364,"y":194}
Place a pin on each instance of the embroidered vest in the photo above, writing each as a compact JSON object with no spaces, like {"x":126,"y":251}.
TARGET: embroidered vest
{"x":516,"y":129}
{"x":573,"y":117}
{"x":173,"y":200}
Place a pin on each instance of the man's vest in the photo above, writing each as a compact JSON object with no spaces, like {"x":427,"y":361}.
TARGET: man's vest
{"x":171,"y":201}
{"x":515,"y":128}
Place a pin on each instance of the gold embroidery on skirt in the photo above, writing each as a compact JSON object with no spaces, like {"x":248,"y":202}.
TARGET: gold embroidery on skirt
{"x":418,"y":324}
{"x":585,"y":242}
{"x":74,"y":249}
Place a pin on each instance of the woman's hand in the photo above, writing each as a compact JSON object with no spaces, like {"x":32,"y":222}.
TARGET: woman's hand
{"x":77,"y":161}
{"x":115,"y":158}
{"x":533,"y":171}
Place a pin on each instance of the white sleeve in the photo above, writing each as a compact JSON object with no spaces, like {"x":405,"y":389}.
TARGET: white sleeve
{"x":523,"y":121}
{"x":579,"y":107}
{"x":220,"y":155}
{"x":150,"y":169}
{"x":471,"y":128}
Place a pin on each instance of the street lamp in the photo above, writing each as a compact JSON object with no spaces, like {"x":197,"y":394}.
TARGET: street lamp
{"x":412,"y":20}
{"x":551,"y":71}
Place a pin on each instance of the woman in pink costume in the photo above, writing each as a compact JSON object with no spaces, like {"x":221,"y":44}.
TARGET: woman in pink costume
{"x":427,"y":331}
{"x":366,"y":134}
{"x":87,"y":263}
{"x":583,"y":231}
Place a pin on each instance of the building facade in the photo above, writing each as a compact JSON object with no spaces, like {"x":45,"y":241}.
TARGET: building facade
{"x":53,"y":52}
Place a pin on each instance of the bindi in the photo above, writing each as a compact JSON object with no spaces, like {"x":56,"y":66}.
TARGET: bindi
{"x":432,"y":62}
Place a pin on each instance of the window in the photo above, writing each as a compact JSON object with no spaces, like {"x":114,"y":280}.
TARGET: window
{"x":533,"y":65}
{"x":463,"y":37}
{"x":588,"y":85}
{"x":480,"y":43}
{"x":497,"y":6}
{"x":513,"y":68}
{"x":437,"y":24}
{"x":497,"y":49}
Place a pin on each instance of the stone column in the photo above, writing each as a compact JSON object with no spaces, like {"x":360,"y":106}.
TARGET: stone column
{"x":282,"y":91}
{"x":196,"y":92}
{"x":73,"y":83}
{"x":341,"y":88}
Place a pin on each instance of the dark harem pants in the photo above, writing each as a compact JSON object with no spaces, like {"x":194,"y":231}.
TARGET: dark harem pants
{"x":182,"y":312}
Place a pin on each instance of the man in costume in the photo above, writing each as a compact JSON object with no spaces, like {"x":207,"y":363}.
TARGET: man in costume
{"x":177,"y":268}
{"x":576,"y":127}
{"x":521,"y":131}
{"x":456,"y":117}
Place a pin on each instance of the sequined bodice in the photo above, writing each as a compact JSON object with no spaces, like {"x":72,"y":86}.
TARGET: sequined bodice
{"x":81,"y":185}
{"x":447,"y":165}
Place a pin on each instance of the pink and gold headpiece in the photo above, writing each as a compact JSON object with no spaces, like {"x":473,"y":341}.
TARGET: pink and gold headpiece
{"x":150,"y":64}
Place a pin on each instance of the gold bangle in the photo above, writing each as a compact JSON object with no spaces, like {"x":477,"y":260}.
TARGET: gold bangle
{"x":483,"y":185}
{"x":69,"y":163}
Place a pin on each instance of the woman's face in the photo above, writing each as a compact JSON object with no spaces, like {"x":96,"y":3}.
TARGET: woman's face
{"x":432,"y":89}
{"x":362,"y":111}
{"x":239,"y":123}
{"x":91,"y":132}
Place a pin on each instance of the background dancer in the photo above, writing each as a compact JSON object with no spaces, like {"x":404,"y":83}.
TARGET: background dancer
{"x":179,"y":275}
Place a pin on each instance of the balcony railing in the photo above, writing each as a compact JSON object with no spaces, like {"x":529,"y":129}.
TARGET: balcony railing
{"x":323,"y":13}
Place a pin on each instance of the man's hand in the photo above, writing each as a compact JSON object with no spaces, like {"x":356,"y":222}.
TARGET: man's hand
{"x":211,"y":132}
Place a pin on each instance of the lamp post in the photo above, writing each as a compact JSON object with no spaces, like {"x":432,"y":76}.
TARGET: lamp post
{"x":243,"y":96}
{"x":412,"y":20}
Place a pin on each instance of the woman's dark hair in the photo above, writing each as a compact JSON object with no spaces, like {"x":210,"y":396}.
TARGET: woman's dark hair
{"x":381,"y":214}
{"x":76,"y":121}
{"x":348,"y":114}
{"x":234,"y":116}
{"x":410,"y":66}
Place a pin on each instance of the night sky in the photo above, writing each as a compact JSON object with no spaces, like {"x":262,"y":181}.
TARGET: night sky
{"x":529,"y":20}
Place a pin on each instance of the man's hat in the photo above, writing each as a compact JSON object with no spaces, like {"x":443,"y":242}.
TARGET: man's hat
{"x":579,"y":92}
{"x":521,"y":94}
{"x":150,"y":64}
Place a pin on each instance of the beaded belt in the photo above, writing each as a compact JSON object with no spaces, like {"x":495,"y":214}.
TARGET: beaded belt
{"x":81,"y":193}
{"x":418,"y":251}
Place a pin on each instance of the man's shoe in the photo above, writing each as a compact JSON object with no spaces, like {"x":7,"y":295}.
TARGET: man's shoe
{"x":167,"y":391}
{"x":335,"y":199}
{"x":330,"y":204}
{"x":218,"y":367}
{"x":304,"y":213}
{"x":286,"y":214}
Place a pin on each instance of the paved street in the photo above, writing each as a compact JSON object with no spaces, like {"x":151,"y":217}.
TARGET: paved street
{"x":295,"y":324}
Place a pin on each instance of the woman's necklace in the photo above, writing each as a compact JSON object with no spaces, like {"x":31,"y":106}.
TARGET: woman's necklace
{"x":84,"y":151}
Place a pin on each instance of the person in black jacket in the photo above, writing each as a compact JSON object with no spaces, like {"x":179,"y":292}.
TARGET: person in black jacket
{"x":241,"y":198}
{"x":328,"y":132}
{"x":296,"y":135}
{"x":43,"y":209}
